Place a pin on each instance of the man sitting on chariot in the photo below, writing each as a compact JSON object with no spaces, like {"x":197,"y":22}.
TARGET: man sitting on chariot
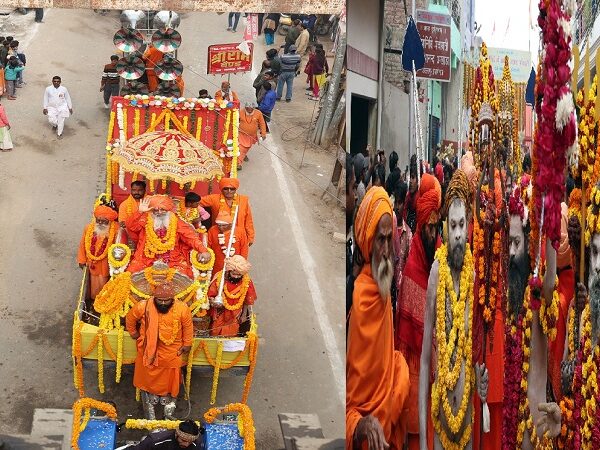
{"x":163,"y":236}
{"x":238,"y":294}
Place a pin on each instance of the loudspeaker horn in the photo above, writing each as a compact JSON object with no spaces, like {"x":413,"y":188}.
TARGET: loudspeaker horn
{"x":128,"y":40}
{"x":166,"y":40}
{"x":130,"y":67}
{"x":167,"y":89}
{"x":133,"y":87}
{"x":168,"y":68}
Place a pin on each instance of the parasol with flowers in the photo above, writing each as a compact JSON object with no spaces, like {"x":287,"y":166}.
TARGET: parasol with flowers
{"x":168,"y":154}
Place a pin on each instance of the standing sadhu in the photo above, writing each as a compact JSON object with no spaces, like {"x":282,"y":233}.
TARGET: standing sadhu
{"x":238,"y":294}
{"x":164,"y":236}
{"x":252,"y":123}
{"x":98,"y":236}
{"x":163,"y":330}
{"x":218,"y":240}
{"x":129,"y":207}
{"x":229,"y":200}
{"x":377,"y":383}
{"x":413,"y":293}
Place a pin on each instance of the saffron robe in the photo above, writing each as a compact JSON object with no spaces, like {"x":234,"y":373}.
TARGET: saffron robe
{"x":240,"y":246}
{"x":224,"y":321}
{"x":244,"y":219}
{"x":377,"y":381}
{"x":99,"y":271}
{"x":162,"y":374}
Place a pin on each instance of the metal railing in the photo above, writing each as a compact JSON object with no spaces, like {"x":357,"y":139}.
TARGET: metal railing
{"x":587,"y":12}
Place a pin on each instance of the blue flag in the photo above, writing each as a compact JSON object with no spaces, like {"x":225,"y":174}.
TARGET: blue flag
{"x":530,"y":91}
{"x":412,"y":49}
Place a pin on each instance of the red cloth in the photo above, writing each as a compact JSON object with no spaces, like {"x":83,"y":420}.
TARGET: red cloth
{"x":178,"y":258}
{"x":439,"y":172}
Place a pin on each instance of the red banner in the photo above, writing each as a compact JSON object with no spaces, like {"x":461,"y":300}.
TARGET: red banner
{"x":434,"y":29}
{"x":227,"y":58}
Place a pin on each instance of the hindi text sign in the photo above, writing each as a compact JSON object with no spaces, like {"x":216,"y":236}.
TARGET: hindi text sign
{"x":434,"y":29}
{"x":227,"y":58}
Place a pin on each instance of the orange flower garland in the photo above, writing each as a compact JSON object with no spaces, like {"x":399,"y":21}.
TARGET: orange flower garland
{"x":83,"y":405}
{"x":155,"y":245}
{"x":101,"y":244}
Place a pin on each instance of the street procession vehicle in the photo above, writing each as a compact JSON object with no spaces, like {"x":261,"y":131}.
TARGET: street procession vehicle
{"x":176,"y":145}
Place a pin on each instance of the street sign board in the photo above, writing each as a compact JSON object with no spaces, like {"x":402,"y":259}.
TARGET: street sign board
{"x":434,"y":29}
{"x":228,"y":58}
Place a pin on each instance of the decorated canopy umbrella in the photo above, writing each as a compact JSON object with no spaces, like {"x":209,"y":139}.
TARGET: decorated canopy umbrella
{"x":168,"y":154}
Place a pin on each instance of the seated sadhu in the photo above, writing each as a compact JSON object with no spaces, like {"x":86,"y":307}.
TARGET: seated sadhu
{"x":98,"y":236}
{"x":219,"y":236}
{"x":163,"y":330}
{"x":164,"y":236}
{"x":238,"y":294}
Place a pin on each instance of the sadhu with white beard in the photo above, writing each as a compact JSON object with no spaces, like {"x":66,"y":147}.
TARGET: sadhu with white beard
{"x":449,"y":311}
{"x":377,"y":382}
{"x":164,"y":236}
{"x":98,"y":236}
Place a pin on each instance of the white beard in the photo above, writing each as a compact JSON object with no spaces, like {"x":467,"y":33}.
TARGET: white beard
{"x":383,"y":275}
{"x":101,"y":230}
{"x":161,"y":222}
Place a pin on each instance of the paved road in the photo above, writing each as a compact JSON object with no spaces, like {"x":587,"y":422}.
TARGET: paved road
{"x":47,"y":191}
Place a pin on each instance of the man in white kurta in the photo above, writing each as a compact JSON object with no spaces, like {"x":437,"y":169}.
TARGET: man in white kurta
{"x":57,"y":105}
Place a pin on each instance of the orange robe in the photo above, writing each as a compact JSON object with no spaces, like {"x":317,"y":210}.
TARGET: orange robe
{"x":162,"y":376}
{"x":240,"y":246}
{"x":377,"y":381}
{"x":151,"y":57}
{"x":233,"y":97}
{"x":178,"y":258}
{"x":126,"y":209}
{"x":99,"y":272}
{"x":244,"y":219}
{"x":224,"y":321}
{"x":250,"y":126}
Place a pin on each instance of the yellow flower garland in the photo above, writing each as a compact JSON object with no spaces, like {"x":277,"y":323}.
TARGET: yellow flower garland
{"x":118,"y":264}
{"x":241,"y":294}
{"x":100,"y":357}
{"x":119,"y":355}
{"x":145,"y":424}
{"x":247,"y":430}
{"x":202,"y":267}
{"x":136,"y":123}
{"x":89,"y":234}
{"x":592,"y":224}
{"x":156,"y":246}
{"x":111,"y":127}
{"x":149,"y":273}
{"x":84,"y":405}
{"x":448,"y":374}
{"x":589,"y":376}
{"x":227,"y":123}
{"x":217,"y":366}
{"x":198,"y":128}
{"x":188,"y":215}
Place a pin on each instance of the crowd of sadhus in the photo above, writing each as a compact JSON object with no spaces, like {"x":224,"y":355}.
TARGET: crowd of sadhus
{"x":161,"y":228}
{"x":406,"y":243}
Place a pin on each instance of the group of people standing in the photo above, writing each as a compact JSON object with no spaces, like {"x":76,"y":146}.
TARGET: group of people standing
{"x":416,"y":312}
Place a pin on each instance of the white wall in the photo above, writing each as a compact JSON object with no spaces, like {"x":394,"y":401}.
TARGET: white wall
{"x":363,"y":26}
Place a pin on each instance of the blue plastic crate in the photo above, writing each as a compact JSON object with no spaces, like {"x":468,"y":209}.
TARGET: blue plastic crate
{"x":223,"y":436}
{"x":98,"y":434}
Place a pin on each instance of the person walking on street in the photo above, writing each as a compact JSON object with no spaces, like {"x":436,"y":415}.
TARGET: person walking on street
{"x":252,"y":124}
{"x":267,"y":102}
{"x":274,"y":60}
{"x":110,"y":81}
{"x":302,"y":40}
{"x":11,"y":71}
{"x":290,"y":63}
{"x":270,"y":25}
{"x":233,"y":20}
{"x":292,"y":35}
{"x":57,"y":105}
{"x":39,"y":15}
{"x":6,"y":144}
{"x":319,"y":70}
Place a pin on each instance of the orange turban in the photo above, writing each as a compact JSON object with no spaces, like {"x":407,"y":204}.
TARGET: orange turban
{"x":429,"y":201}
{"x":165,"y":290}
{"x":162,"y":202}
{"x":224,"y":217}
{"x":229,"y":182}
{"x":467,"y":165}
{"x":374,"y":205}
{"x":104,"y":212}
{"x":238,"y":263}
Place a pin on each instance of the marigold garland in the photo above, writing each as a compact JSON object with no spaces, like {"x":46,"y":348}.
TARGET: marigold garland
{"x":253,"y":354}
{"x":136,"y":123}
{"x":227,"y":123}
{"x":457,"y":344}
{"x":145,"y":424}
{"x":217,"y":366}
{"x":83,"y":405}
{"x":111,"y":126}
{"x":155,"y":245}
{"x":100,"y":358}
{"x":100,"y":246}
{"x":241,"y":294}
{"x":575,"y":204}
{"x":247,"y":430}
{"x":585,"y":388}
{"x":188,"y":215}
{"x":149,"y":273}
{"x":587,"y":134}
{"x":592,"y":224}
{"x":202,"y":267}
